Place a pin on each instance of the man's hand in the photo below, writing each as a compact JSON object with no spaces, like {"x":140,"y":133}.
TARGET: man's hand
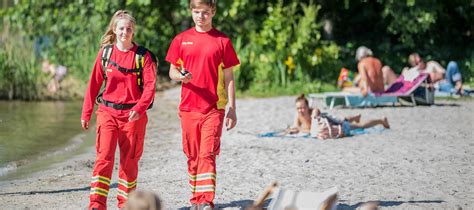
{"x":85,"y":124}
{"x":186,"y":76}
{"x":230,"y":119}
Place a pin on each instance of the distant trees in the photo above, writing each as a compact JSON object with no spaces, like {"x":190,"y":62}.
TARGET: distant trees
{"x":285,"y":46}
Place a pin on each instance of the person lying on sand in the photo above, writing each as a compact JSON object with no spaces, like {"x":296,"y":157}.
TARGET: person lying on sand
{"x":324,"y":121}
{"x":302,"y":123}
{"x":327,"y":126}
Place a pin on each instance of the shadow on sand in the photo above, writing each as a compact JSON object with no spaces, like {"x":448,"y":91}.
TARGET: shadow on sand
{"x":114,"y":185}
{"x":344,"y":206}
{"x":241,"y":204}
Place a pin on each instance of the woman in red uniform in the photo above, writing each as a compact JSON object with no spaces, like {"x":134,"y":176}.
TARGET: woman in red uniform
{"x":129,"y":77}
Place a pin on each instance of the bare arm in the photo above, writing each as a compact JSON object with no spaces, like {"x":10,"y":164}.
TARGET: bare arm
{"x":175,"y":74}
{"x":363,"y":80}
{"x":231,"y":117}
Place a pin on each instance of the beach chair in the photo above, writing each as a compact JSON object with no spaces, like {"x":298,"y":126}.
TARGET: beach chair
{"x":406,"y":91}
{"x":283,"y":199}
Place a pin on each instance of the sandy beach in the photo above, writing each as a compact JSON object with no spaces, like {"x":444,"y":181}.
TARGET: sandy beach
{"x":425,"y":161}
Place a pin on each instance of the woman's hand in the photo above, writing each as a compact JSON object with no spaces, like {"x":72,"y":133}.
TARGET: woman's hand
{"x":133,"y":115}
{"x":293,"y":130}
{"x":85,"y":124}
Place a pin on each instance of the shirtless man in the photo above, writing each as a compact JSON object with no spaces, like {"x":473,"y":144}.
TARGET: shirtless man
{"x":372,"y":76}
{"x":370,"y":71}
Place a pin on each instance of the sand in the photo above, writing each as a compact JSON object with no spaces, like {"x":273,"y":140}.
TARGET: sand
{"x":425,"y":160}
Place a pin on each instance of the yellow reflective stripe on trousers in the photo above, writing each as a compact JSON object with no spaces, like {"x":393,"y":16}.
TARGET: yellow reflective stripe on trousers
{"x":101,"y":179}
{"x":127,"y":184}
{"x":202,"y":188}
{"x":122,"y":193}
{"x":99,"y":191}
{"x":203,"y":176}
{"x":206,"y":176}
{"x":205,"y":188}
{"x":192,"y":177}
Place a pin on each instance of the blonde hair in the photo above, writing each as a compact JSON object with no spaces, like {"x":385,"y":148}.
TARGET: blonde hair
{"x":109,"y":36}
{"x":301,"y":97}
{"x":143,"y":200}
{"x":211,"y":3}
{"x":414,"y":59}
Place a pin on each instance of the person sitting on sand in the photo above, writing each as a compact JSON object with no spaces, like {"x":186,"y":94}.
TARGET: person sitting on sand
{"x":326,"y":126}
{"x":143,"y":200}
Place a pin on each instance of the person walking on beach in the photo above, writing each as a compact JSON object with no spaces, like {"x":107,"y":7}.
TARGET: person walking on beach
{"x":128,"y":71}
{"x":203,"y":59}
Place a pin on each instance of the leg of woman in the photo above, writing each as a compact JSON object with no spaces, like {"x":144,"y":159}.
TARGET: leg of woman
{"x":131,"y":139}
{"x":106,"y":143}
{"x":353,"y":118}
{"x":371,"y":123}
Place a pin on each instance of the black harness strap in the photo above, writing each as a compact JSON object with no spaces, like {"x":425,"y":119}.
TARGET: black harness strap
{"x":117,"y":106}
{"x":122,"y":69}
{"x":139,"y":64}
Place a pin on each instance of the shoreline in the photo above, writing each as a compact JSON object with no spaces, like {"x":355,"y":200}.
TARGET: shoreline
{"x":24,"y":168}
{"x":424,"y":161}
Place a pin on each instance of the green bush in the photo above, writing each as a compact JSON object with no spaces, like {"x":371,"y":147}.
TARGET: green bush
{"x":20,"y":77}
{"x":282,"y":46}
{"x":286,"y":55}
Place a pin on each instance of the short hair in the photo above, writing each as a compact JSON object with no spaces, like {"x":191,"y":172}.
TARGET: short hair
{"x":363,"y":52}
{"x":211,"y":3}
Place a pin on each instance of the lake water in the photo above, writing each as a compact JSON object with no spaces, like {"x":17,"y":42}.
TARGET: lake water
{"x":36,"y":134}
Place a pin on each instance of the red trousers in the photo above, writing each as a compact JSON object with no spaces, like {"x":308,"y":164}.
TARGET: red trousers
{"x":201,"y":144}
{"x":130,"y":137}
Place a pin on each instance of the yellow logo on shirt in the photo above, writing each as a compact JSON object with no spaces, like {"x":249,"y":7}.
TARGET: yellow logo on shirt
{"x":186,"y":43}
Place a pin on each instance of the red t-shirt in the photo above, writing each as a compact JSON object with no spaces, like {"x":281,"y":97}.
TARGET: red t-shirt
{"x":121,"y":88}
{"x":205,"y":55}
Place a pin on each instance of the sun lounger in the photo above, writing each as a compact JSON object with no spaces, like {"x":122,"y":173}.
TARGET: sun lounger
{"x":413,"y":91}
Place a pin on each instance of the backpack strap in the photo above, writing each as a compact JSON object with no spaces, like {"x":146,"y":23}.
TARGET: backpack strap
{"x":105,"y":58}
{"x":139,"y":64}
{"x":138,"y":69}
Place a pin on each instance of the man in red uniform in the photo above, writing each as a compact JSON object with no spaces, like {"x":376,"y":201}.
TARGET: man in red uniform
{"x":121,"y":117}
{"x":202,"y":58}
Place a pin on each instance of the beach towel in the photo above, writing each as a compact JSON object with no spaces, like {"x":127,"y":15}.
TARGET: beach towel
{"x":283,"y":199}
{"x":354,"y":132}
{"x":282,"y":134}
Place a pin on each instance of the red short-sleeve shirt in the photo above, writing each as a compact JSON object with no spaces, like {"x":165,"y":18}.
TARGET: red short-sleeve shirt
{"x":205,"y":55}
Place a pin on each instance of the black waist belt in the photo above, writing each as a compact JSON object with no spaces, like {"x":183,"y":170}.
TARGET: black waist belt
{"x":117,"y":106}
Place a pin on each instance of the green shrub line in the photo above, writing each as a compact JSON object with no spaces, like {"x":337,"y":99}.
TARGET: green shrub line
{"x":285,"y":47}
